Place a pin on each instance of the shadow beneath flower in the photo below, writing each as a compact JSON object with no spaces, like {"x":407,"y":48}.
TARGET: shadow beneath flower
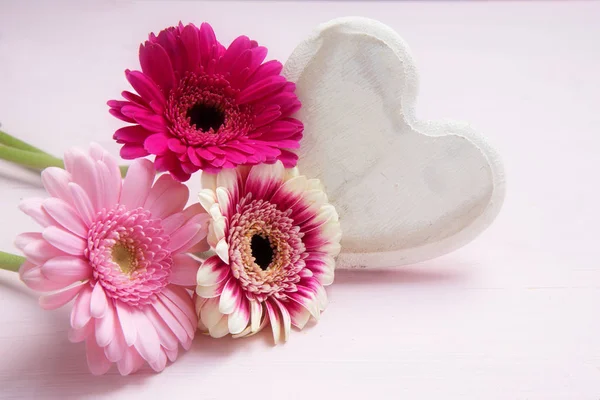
{"x":427,"y":274}
{"x":18,"y":177}
{"x":223,"y":347}
{"x":10,"y":283}
{"x":42,"y":361}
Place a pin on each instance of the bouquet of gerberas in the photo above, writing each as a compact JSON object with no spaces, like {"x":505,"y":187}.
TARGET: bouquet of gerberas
{"x":257,"y":245}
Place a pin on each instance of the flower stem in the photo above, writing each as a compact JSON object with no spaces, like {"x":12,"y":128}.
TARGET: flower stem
{"x":12,"y":141}
{"x":29,"y":159}
{"x":36,"y":160}
{"x":22,"y":153}
{"x":10,"y":262}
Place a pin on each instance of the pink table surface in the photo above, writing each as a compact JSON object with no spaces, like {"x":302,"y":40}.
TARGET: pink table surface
{"x":513,"y":315}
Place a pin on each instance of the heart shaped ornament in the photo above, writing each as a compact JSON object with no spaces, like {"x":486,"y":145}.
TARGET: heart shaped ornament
{"x":405,"y":190}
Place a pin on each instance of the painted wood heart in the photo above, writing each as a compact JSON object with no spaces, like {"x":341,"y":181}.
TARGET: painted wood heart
{"x":406,"y":190}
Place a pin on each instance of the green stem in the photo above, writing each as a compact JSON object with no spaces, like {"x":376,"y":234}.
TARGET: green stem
{"x":22,"y":153}
{"x":29,"y":159}
{"x":10,"y":262}
{"x":12,"y":141}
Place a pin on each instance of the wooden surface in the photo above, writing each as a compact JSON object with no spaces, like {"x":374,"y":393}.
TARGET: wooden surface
{"x":513,"y":315}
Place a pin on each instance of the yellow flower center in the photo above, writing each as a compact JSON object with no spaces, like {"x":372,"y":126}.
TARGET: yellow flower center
{"x":124,"y":257}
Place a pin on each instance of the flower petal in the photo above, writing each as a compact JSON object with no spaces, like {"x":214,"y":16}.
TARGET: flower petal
{"x":98,"y":302}
{"x":64,"y":240}
{"x":147,"y":342}
{"x":131,"y":151}
{"x":179,"y":316}
{"x":229,"y":296}
{"x":210,"y":314}
{"x":65,"y":215}
{"x":323,"y":267}
{"x":220,"y":329}
{"x":156,"y":64}
{"x":299,"y":315}
{"x":80,"y":314}
{"x":275,"y":320}
{"x":290,"y":193}
{"x":23,"y":239}
{"x":191,"y":42}
{"x":207,"y":198}
{"x":137,"y":183}
{"x":56,"y":182}
{"x":79,"y":335}
{"x":160,"y":363}
{"x":117,"y":347}
{"x":171,"y":321}
{"x":59,"y":299}
{"x":285,"y":320}
{"x":307,"y":300}
{"x":167,"y":338}
{"x":131,"y":134}
{"x":105,"y":326}
{"x":96,"y":360}
{"x":231,"y":181}
{"x":40,"y":251}
{"x":145,"y":87}
{"x":256,"y":314}
{"x":130,"y":362}
{"x":84,"y":173}
{"x":32,"y":276}
{"x":212,"y":271}
{"x":264,"y":179}
{"x":127,"y":324}
{"x":66,"y":269}
{"x":184,"y":270}
{"x":172,"y":200}
{"x":33,"y":208}
{"x":182,"y":236}
{"x":238,"y":320}
{"x":82,"y":203}
{"x":208,"y":181}
{"x":172,"y":354}
{"x":211,"y":291}
{"x":261,"y":89}
{"x":222,"y":250}
{"x":182,"y":299}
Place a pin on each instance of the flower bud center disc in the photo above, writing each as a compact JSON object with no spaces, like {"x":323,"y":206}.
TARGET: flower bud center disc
{"x":205,"y":117}
{"x":124,"y":257}
{"x":262,"y":251}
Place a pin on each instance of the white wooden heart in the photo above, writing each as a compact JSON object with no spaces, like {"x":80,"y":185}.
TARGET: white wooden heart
{"x":406,"y":190}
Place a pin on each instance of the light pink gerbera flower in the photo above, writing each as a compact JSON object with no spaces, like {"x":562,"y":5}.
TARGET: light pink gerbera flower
{"x":276,"y":236}
{"x":201,"y":106}
{"x":118,"y":248}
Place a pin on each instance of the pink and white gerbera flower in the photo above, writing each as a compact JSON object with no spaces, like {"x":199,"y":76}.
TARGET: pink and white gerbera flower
{"x":118,"y":248}
{"x":201,"y":106}
{"x":275,"y":236}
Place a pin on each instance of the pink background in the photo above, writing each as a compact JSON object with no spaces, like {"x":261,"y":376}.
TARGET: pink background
{"x":513,"y":315}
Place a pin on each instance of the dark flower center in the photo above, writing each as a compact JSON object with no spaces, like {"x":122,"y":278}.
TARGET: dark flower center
{"x":205,"y":116}
{"x":262,"y":251}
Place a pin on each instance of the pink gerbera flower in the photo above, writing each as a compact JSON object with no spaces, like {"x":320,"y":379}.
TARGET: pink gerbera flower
{"x":201,"y":106}
{"x":276,"y":236}
{"x":118,"y":248}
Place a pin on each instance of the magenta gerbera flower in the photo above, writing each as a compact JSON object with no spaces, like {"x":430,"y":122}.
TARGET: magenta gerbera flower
{"x":275,"y":236}
{"x":118,"y":247}
{"x":201,"y":106}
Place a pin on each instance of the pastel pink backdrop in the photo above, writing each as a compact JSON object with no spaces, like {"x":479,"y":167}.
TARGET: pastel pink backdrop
{"x":512,"y":315}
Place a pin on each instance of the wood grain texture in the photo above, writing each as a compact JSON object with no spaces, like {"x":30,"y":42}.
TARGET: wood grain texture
{"x":513,"y":315}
